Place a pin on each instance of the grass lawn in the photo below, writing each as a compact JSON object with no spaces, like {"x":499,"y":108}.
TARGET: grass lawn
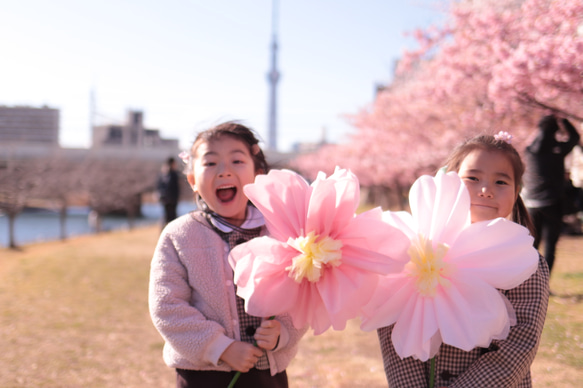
{"x":74,"y":314}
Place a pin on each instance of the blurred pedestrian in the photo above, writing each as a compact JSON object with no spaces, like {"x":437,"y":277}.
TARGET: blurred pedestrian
{"x":572,"y":207}
{"x":169,"y":189}
{"x":544,"y":181}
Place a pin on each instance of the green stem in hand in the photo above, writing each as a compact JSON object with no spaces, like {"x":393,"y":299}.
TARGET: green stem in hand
{"x":234,"y":380}
{"x":432,"y":372}
{"x":238,"y":374}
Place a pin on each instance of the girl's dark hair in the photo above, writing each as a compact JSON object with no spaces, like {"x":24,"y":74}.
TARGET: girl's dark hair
{"x":490,"y":143}
{"x":236,"y":131}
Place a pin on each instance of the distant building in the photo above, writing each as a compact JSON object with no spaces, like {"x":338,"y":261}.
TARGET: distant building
{"x":306,"y":147}
{"x":29,"y":125}
{"x":27,"y":133}
{"x":131,"y":135}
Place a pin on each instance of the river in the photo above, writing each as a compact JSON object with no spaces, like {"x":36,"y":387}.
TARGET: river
{"x":44,"y":225}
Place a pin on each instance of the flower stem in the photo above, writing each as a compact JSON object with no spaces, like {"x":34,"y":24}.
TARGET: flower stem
{"x":238,"y":374}
{"x":234,"y":380}
{"x":432,"y":372}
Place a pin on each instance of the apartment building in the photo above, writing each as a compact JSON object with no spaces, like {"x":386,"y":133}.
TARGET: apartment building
{"x":29,"y":125}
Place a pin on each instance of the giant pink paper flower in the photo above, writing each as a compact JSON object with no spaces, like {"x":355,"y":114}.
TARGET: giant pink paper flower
{"x":321,"y":263}
{"x":447,"y":292}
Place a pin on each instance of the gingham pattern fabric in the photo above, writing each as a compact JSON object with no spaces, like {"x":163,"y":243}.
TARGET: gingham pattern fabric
{"x":247,"y":323}
{"x":504,"y":364}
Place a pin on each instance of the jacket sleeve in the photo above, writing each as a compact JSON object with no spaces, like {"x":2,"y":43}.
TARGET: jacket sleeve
{"x":198,"y":340}
{"x":508,"y":361}
{"x":401,"y":373}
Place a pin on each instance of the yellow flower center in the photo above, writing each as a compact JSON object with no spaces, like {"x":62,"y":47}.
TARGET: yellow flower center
{"x":427,"y":265}
{"x":316,"y":253}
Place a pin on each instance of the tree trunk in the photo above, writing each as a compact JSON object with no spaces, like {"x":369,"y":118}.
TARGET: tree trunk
{"x":63,"y":221}
{"x":11,"y":221}
{"x":94,"y":220}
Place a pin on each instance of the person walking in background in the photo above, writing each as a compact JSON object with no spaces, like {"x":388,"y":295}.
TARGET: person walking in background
{"x":169,"y":189}
{"x":544,"y":181}
{"x":572,"y":207}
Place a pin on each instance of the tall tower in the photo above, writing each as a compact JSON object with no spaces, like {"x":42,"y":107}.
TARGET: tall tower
{"x":273,"y":78}
{"x":92,"y":111}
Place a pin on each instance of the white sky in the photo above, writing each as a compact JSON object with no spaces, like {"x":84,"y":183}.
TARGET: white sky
{"x":188,"y":64}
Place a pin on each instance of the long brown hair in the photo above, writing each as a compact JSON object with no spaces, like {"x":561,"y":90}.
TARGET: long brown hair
{"x":490,"y":143}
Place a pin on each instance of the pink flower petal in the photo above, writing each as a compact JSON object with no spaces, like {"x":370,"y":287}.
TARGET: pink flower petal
{"x":484,"y":248}
{"x":242,"y":257}
{"x":392,"y":293}
{"x":282,"y":197}
{"x":333,"y":203}
{"x":310,"y":309}
{"x":416,"y":332}
{"x":402,"y":221}
{"x":344,"y":291}
{"x":471,"y":313}
{"x":440,"y":206}
{"x":372,"y":244}
{"x":371,"y":261}
{"x":262,"y":281}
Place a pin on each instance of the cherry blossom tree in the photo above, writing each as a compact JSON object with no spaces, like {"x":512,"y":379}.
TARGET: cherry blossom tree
{"x":494,"y":65}
{"x":542,"y":63}
{"x":117,"y":186}
{"x":59,"y":181}
{"x":18,"y":180}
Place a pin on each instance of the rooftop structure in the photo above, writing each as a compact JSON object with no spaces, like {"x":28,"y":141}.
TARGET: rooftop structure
{"x":130,"y":135}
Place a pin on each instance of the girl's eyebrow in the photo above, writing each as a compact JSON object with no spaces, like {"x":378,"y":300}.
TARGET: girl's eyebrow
{"x":504,"y":175}
{"x":239,"y":151}
{"x":214,"y":153}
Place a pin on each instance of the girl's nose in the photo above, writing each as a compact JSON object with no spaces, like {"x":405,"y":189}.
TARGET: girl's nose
{"x":224,"y":170}
{"x":485,"y":192}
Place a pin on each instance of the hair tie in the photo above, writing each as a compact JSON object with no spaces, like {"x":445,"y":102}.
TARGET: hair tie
{"x":503,"y":136}
{"x":185,"y":156}
{"x":255,"y":149}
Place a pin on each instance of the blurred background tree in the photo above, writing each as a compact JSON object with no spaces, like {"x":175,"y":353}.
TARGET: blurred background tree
{"x":494,"y":65}
{"x":18,"y":182}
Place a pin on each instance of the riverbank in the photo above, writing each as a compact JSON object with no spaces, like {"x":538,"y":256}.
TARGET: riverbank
{"x":75,"y":314}
{"x":39,"y":225}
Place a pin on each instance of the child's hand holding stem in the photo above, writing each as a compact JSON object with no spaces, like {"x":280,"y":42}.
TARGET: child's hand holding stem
{"x":241,"y":356}
{"x":267,"y":335}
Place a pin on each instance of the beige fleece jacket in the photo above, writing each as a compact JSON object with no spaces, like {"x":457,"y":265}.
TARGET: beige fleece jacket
{"x":192,"y":299}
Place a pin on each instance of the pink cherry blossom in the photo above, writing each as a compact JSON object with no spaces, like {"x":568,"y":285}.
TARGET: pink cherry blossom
{"x":321,"y":262}
{"x":493,"y":65}
{"x":447,"y":292}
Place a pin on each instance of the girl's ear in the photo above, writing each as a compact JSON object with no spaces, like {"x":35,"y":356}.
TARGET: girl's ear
{"x":191,"y":182}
